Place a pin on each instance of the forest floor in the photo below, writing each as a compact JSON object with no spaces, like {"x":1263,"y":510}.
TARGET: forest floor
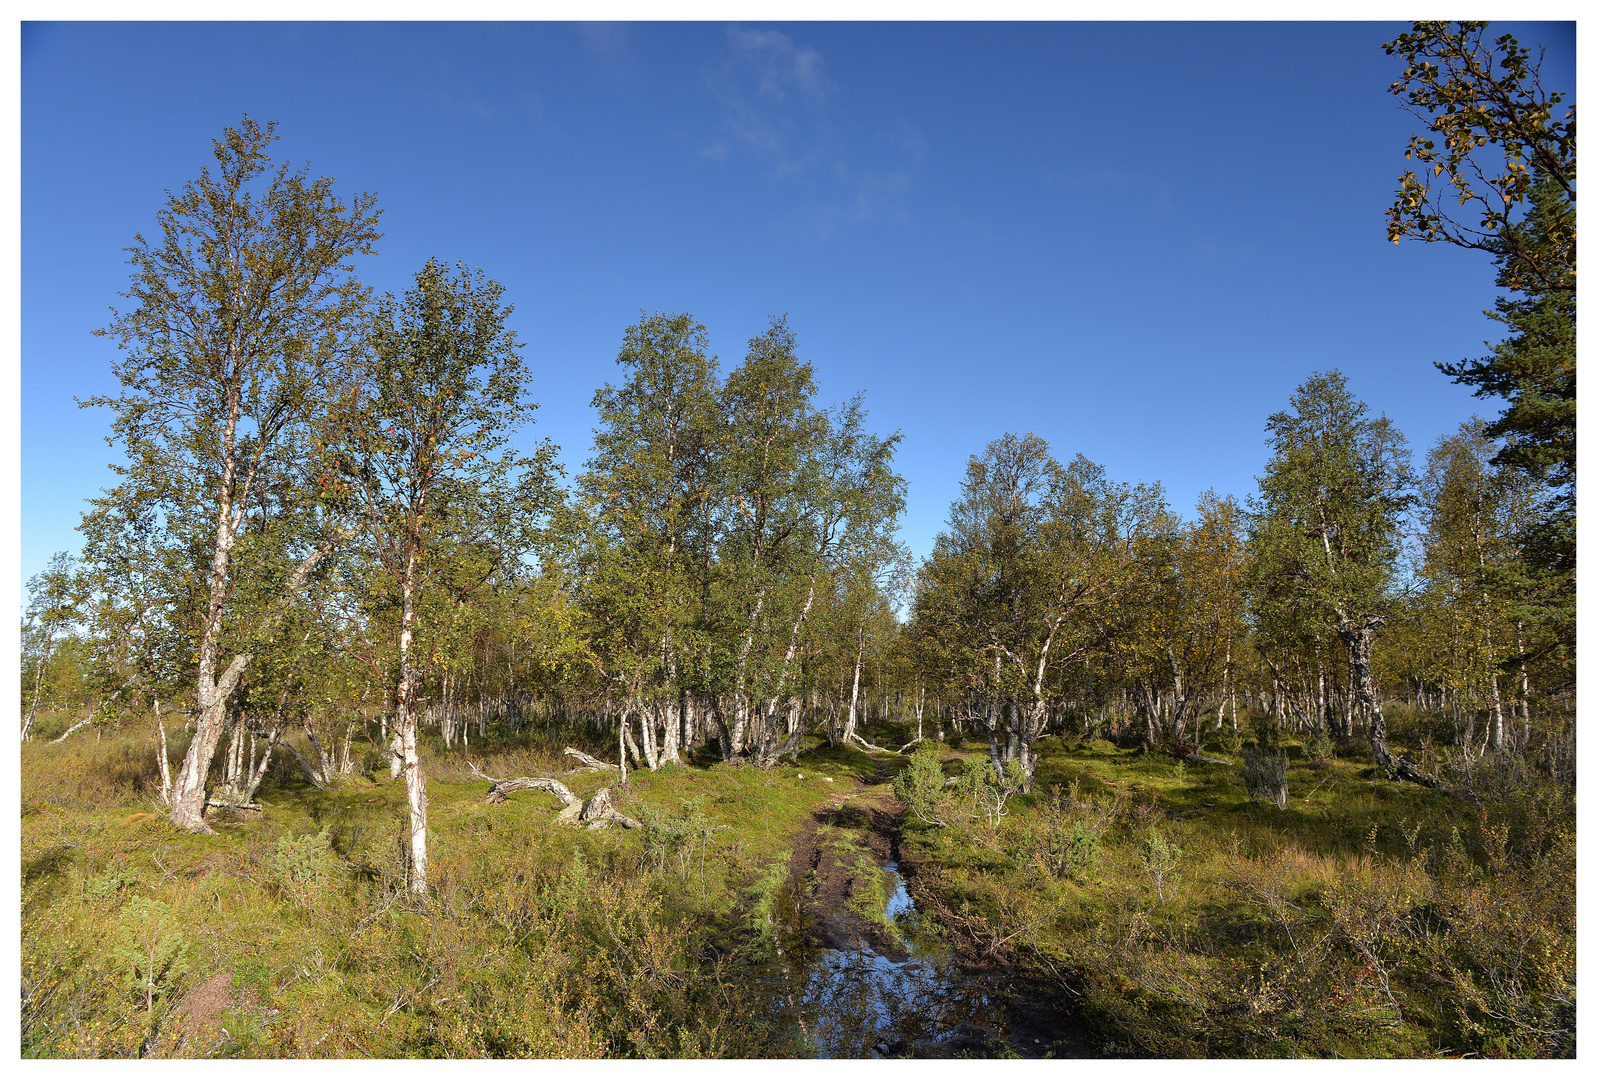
{"x":1132,"y":905}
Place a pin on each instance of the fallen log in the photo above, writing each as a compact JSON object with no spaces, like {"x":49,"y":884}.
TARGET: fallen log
{"x":71,"y":730}
{"x":857,"y":737}
{"x":599,"y":810}
{"x":596,"y":813}
{"x":589,"y":761}
{"x":505,"y":788}
{"x":1399,"y":767}
{"x":230,"y":805}
{"x":1201,"y":760}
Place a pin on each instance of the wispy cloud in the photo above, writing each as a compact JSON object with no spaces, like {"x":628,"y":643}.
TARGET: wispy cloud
{"x":780,"y":66}
{"x":773,"y":94}
{"x":608,"y":45}
{"x":778,"y":103}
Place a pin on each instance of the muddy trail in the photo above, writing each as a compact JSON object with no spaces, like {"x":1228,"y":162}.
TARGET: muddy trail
{"x":873,"y":974}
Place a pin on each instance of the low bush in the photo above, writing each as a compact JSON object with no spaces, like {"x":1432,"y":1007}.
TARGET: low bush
{"x":150,"y":948}
{"x":670,"y":839}
{"x":1264,"y":775}
{"x":1064,"y":839}
{"x":305,"y":865}
{"x":921,"y":788}
{"x":1319,"y":746}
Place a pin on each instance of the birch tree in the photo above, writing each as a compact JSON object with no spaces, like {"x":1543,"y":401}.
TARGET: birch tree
{"x":772,"y":431}
{"x":1033,"y":551}
{"x":423,"y":460}
{"x":244,"y":310}
{"x":850,"y":501}
{"x":54,"y":601}
{"x":1325,"y":530}
{"x":1501,"y":138}
{"x":1470,"y":510}
{"x":1182,"y":617}
{"x":652,"y":472}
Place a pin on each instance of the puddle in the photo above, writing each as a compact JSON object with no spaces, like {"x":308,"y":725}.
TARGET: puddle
{"x":885,"y":998}
{"x":899,"y":904}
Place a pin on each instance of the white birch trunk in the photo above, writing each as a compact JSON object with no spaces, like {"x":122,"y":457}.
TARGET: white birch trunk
{"x":405,"y":715}
{"x":166,"y":771}
{"x":1524,"y":679}
{"x":38,"y":680}
{"x":669,"y":751}
{"x":853,"y":697}
{"x":740,"y":699}
{"x":213,"y":693}
{"x":647,"y":718}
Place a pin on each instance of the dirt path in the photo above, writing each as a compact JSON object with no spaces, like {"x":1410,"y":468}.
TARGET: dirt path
{"x":829,"y":878}
{"x":837,"y":860}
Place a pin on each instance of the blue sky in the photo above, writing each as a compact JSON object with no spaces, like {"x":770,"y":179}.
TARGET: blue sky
{"x":1132,"y":239}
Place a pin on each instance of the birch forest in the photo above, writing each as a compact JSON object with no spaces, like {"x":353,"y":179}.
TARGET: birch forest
{"x":346,"y":650}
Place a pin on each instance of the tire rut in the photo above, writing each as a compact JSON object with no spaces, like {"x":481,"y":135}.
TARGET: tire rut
{"x":824,"y":884}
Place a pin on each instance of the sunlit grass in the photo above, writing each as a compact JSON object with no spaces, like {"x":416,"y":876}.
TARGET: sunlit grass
{"x":1367,"y":918}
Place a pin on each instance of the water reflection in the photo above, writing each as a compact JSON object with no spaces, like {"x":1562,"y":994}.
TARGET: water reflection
{"x":881,"y":1001}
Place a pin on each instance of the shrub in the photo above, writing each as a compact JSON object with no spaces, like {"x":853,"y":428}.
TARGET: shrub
{"x":1319,"y":746}
{"x":151,"y":948}
{"x":106,"y":886}
{"x":989,"y":788}
{"x":1264,"y":775}
{"x":1229,"y":739}
{"x":304,"y":865}
{"x":1500,"y":946}
{"x":1267,"y":730}
{"x":920,"y":787}
{"x":1159,"y":859}
{"x":672,"y":838}
{"x":1065,"y":839}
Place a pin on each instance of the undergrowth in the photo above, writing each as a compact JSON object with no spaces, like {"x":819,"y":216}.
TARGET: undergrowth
{"x":1182,"y":916}
{"x":1174,"y":915}
{"x":533,"y":941}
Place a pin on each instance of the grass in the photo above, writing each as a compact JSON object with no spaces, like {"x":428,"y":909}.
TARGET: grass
{"x":1173,"y":914}
{"x":535,"y":940}
{"x":1354,"y":923}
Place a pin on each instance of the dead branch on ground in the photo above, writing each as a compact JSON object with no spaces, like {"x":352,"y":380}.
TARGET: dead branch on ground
{"x":596,"y":813}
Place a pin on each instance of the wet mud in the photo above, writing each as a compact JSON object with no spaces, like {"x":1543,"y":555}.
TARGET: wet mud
{"x":867,"y":974}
